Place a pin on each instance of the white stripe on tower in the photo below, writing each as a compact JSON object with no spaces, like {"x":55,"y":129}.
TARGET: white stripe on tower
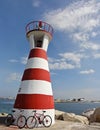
{"x":35,"y":87}
{"x":37,"y":63}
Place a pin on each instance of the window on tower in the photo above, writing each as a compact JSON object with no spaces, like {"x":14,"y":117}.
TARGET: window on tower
{"x":39,"y":43}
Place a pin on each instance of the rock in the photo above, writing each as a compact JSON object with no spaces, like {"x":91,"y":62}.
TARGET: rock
{"x":71,"y":117}
{"x":57,"y":112}
{"x":88,"y":113}
{"x":95,"y":117}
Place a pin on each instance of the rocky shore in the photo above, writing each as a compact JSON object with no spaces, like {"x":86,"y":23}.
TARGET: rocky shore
{"x":64,"y":121}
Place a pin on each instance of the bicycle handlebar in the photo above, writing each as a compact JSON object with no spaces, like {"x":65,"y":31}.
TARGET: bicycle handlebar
{"x":21,"y":110}
{"x":35,"y":111}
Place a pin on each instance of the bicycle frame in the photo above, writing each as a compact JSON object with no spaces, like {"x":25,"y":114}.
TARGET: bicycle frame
{"x":39,"y":116}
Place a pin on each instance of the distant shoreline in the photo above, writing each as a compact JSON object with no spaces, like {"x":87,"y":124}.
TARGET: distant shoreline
{"x":57,"y":101}
{"x":77,"y":101}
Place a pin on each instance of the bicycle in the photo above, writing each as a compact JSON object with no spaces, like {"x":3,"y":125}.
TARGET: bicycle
{"x":21,"y":121}
{"x":9,"y":120}
{"x":38,"y":118}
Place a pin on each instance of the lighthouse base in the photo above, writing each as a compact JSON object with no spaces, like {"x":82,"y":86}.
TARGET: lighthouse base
{"x":18,"y":112}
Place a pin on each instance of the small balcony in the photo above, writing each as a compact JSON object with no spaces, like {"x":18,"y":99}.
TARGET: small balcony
{"x":39,"y":25}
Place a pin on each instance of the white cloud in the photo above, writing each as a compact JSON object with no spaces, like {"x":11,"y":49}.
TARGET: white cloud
{"x":81,"y":37}
{"x":94,"y":34}
{"x":61,"y":65}
{"x":91,"y":23}
{"x":72,"y":57}
{"x":80,"y":19}
{"x":90,"y":71}
{"x":81,"y":15}
{"x":66,"y":61}
{"x":96,"y":56}
{"x":13,"y":60}
{"x":91,"y":46}
{"x":35,"y":3}
{"x":13,"y":77}
{"x":23,"y":60}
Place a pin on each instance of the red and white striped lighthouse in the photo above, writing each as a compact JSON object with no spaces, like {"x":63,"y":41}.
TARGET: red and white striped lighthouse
{"x":35,"y":92}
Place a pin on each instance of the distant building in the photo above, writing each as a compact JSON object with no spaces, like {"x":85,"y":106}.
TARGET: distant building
{"x":80,"y":99}
{"x":74,"y":99}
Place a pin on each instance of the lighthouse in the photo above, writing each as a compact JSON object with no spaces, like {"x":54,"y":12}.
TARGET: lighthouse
{"x":35,"y":91}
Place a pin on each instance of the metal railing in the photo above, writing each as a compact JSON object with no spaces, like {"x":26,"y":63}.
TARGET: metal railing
{"x":39,"y":25}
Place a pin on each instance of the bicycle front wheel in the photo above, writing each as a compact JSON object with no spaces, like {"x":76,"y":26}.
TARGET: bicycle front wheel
{"x":47,"y":121}
{"x":31,"y":122}
{"x":9,"y":120}
{"x":21,"y":122}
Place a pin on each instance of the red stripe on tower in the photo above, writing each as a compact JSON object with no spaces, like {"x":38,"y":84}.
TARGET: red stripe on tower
{"x":36,"y":74}
{"x":34,"y":101}
{"x":38,"y":53}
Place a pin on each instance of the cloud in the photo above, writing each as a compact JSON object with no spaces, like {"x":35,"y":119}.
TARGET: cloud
{"x":94,"y":34}
{"x":72,"y":57}
{"x":35,"y":3}
{"x":96,"y":56}
{"x":91,"y":46}
{"x":80,"y":20}
{"x":24,"y":60}
{"x":80,"y":15}
{"x":13,"y":77}
{"x":13,"y":60}
{"x":90,"y":71}
{"x":61,"y":66}
{"x":80,"y":36}
{"x":69,"y":60}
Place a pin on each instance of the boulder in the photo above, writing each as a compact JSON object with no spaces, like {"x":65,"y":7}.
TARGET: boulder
{"x":88,"y":113}
{"x":95,"y":117}
{"x":70,"y":117}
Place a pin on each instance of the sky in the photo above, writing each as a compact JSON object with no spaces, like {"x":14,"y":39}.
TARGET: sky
{"x":73,"y":53}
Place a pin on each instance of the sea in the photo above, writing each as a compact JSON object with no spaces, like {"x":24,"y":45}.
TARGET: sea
{"x":71,"y":107}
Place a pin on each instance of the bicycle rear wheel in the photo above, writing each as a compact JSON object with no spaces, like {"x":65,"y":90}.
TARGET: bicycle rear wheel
{"x":21,"y":122}
{"x":47,"y":121}
{"x":31,"y":122}
{"x":9,"y":120}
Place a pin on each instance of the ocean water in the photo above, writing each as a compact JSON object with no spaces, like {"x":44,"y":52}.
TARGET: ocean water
{"x":6,"y":106}
{"x":77,"y":108}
